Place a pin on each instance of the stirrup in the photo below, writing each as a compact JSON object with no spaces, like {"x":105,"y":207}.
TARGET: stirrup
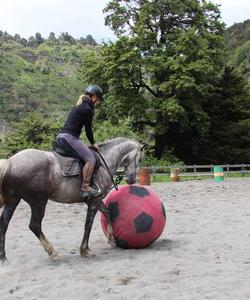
{"x":86,"y":195}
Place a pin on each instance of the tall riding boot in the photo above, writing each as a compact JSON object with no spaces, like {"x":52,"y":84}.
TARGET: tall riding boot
{"x":86,"y":189}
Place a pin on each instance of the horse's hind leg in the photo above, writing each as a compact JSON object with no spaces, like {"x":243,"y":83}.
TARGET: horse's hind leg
{"x":5,"y":218}
{"x":37,"y":214}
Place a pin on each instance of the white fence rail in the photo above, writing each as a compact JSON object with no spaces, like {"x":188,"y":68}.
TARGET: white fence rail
{"x":200,"y":170}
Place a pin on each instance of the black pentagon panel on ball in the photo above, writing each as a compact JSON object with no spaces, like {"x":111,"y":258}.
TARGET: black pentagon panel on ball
{"x":114,"y":211}
{"x":143,"y":223}
{"x":163,"y":211}
{"x":139,"y":191}
{"x":121,"y":243}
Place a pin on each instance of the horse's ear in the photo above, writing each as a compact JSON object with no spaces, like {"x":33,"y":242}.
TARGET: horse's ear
{"x":143,"y":146}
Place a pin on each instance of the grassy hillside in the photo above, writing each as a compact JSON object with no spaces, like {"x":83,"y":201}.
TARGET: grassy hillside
{"x":46,"y":78}
{"x":238,"y":40}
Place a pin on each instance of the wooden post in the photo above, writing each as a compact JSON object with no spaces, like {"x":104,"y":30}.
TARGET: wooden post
{"x":175,"y":174}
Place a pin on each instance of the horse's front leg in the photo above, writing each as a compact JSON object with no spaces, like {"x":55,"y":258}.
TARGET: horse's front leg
{"x":110,"y":233}
{"x":84,"y":248}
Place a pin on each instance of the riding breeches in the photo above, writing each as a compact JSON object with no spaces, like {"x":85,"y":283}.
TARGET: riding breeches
{"x":81,"y":149}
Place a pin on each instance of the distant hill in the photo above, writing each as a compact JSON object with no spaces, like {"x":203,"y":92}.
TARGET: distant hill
{"x":40,"y":75}
{"x":238,"y":41}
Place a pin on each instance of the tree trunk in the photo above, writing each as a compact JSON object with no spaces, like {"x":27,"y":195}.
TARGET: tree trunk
{"x":160,"y":143}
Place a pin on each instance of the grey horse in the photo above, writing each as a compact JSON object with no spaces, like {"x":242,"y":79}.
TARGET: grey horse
{"x":35,"y":176}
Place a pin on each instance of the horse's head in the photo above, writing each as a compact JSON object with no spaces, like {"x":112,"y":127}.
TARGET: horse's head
{"x":132,"y":162}
{"x":123,"y":153}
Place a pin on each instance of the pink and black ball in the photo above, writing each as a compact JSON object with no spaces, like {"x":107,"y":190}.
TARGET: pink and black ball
{"x":138,"y":216}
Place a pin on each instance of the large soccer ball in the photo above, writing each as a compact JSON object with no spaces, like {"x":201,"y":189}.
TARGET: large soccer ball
{"x":137,"y":215}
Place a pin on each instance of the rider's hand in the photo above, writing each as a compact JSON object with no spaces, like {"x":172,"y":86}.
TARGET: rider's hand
{"x":95,"y":146}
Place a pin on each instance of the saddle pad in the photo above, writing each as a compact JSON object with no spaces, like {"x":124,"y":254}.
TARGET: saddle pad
{"x":69,"y":166}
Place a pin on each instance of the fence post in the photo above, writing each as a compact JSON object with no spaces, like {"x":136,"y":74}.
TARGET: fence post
{"x":242,"y":170}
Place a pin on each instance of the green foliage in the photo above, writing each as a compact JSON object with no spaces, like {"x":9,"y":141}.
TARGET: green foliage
{"x":238,"y":34}
{"x":238,"y":40}
{"x":36,"y":132}
{"x":32,"y":132}
{"x":167,"y":160}
{"x":89,"y":40}
{"x":229,"y":108}
{"x":162,"y":68}
{"x":45,"y":79}
{"x":105,"y":130}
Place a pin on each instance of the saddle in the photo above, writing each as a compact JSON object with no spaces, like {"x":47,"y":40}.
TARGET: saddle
{"x":69,"y":160}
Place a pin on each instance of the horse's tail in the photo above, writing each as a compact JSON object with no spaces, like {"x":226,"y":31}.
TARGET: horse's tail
{"x":3,"y":169}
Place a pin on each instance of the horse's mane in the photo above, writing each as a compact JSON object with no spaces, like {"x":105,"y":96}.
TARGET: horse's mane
{"x":116,"y":141}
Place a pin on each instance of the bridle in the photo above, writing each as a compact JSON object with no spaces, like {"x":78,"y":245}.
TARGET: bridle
{"x":136,"y":164}
{"x":116,"y":179}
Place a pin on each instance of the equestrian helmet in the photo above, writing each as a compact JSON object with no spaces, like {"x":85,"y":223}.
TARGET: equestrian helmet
{"x":94,"y":90}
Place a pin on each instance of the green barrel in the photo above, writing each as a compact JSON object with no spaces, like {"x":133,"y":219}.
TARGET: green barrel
{"x":218,"y":173}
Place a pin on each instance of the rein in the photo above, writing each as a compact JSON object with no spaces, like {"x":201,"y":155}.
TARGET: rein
{"x":117,"y":179}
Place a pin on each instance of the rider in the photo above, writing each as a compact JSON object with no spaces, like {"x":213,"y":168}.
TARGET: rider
{"x":81,"y":115}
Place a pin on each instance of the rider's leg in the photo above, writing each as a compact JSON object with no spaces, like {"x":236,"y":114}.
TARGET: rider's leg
{"x":87,"y":173}
{"x":85,"y":154}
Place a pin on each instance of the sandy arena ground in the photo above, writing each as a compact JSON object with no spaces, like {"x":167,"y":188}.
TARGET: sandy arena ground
{"x":202,"y":254}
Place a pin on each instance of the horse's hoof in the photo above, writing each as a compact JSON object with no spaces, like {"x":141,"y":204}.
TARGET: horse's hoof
{"x":112,"y":242}
{"x":54,"y":256}
{"x":4,"y":261}
{"x":87,"y":253}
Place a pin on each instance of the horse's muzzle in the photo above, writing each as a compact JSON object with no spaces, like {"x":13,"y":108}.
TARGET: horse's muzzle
{"x":131,"y":179}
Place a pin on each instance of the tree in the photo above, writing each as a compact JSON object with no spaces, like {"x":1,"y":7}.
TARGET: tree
{"x":229,"y":108}
{"x":17,"y":38}
{"x":31,"y":41}
{"x":66,"y":37}
{"x":5,"y":36}
{"x":39,"y":39}
{"x":32,"y":132}
{"x":90,"y":40}
{"x":52,"y":38}
{"x":24,"y":42}
{"x":162,"y":68}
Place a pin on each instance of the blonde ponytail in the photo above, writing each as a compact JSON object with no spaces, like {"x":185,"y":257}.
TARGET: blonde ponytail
{"x":80,"y":99}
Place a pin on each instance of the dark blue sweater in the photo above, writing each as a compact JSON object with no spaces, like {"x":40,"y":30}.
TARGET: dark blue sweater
{"x":80,"y":116}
